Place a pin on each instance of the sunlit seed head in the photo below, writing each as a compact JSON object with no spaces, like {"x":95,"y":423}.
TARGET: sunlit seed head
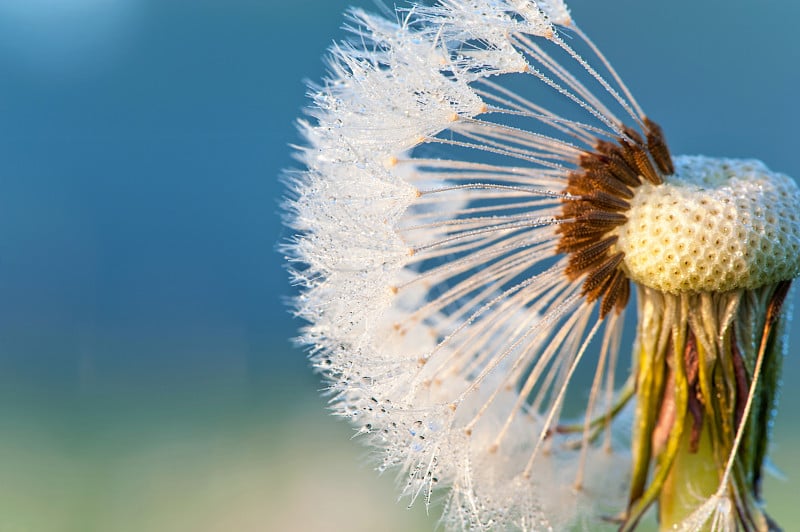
{"x":463,"y":250}
{"x":715,"y":225}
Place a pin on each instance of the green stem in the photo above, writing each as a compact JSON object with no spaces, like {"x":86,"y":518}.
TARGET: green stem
{"x":694,"y":477}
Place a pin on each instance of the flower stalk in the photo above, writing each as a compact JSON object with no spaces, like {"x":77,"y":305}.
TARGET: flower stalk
{"x":694,"y":476}
{"x":707,"y":380}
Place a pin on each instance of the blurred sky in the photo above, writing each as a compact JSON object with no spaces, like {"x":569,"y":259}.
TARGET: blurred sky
{"x":147,"y":380}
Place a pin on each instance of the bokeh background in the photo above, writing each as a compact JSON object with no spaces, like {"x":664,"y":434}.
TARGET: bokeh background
{"x":147,"y":379}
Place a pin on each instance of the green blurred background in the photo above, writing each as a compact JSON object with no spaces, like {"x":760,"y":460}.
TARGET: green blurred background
{"x":147,"y":380}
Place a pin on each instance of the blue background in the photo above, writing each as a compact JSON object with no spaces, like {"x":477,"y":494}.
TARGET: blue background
{"x":147,"y":380}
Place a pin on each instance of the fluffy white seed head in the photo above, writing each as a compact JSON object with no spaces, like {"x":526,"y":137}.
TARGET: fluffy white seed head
{"x":428,"y":218}
{"x":715,"y":225}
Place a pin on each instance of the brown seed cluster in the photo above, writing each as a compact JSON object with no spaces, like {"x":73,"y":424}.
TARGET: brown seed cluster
{"x":600,"y":191}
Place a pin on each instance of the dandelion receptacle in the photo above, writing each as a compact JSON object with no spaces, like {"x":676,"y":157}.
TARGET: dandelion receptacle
{"x":482,"y":200}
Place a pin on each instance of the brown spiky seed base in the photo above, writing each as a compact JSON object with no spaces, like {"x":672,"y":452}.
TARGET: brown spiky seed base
{"x":600,"y":190}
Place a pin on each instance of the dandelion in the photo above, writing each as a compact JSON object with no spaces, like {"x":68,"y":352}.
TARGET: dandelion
{"x":483,"y":200}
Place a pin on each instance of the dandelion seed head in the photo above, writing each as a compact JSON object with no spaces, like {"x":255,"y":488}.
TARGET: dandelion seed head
{"x":462,"y":250}
{"x":714,"y":225}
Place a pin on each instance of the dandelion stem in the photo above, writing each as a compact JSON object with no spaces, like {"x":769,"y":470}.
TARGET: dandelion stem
{"x":694,"y":477}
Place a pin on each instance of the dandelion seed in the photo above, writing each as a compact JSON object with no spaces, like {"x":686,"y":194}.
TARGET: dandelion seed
{"x":466,"y":245}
